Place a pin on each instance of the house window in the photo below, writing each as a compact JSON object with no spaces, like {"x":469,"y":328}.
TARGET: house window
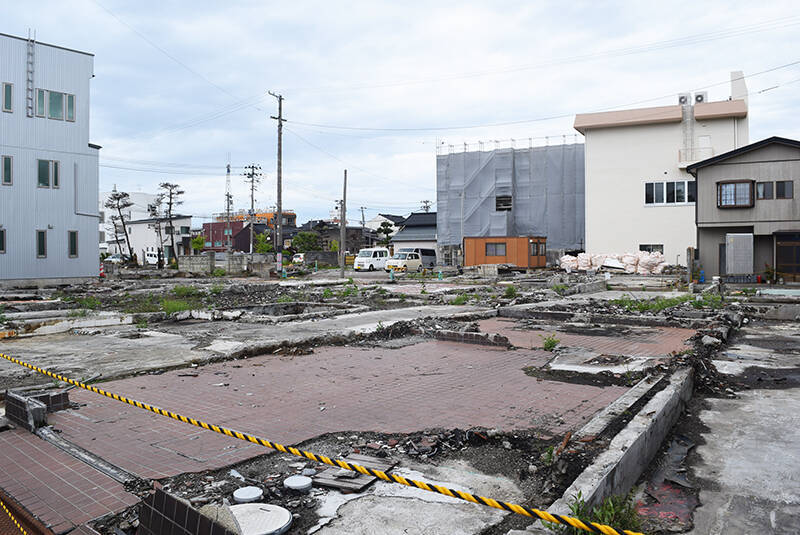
{"x":227,"y":232}
{"x":71,"y":108}
{"x":102,"y":236}
{"x":56,"y":177}
{"x":675,"y":192}
{"x":652,"y":247}
{"x":40,"y":105}
{"x":2,"y":240}
{"x":55,"y":105}
{"x":784,"y":189}
{"x":534,"y":249}
{"x":8,"y":93}
{"x":44,"y":173}
{"x":185,"y":230}
{"x":72,"y":243}
{"x":217,"y":244}
{"x":495,"y":249}
{"x":102,"y":216}
{"x":763,"y":190}
{"x":7,"y":171}
{"x":502,"y":203}
{"x":41,"y":244}
{"x":169,"y":230}
{"x":735,"y":194}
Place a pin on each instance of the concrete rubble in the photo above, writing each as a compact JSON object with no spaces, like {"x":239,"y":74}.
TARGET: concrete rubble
{"x":666,"y":358}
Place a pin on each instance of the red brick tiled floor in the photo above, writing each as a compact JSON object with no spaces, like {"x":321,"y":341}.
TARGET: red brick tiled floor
{"x":292,"y":399}
{"x":58,"y":489}
{"x":639,"y":342}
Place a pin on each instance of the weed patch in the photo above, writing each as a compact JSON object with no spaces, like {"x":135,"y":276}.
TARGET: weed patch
{"x":560,"y":289}
{"x":511,"y":292}
{"x":460,"y":300}
{"x":185,"y":291}
{"x":175,"y":305}
{"x":618,"y":512}
{"x":549,"y":342}
{"x":219,"y":272}
{"x":650,"y":305}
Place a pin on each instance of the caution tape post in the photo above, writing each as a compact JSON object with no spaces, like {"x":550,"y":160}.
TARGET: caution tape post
{"x":591,"y":527}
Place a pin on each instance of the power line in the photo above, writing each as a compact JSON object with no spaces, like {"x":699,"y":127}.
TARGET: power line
{"x":693,"y":39}
{"x":525,"y":121}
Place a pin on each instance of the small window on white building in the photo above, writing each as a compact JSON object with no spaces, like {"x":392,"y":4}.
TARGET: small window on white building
{"x":55,"y":105}
{"x":40,"y":103}
{"x":7,"y":171}
{"x":41,"y":244}
{"x":43,"y":173}
{"x":72,"y":243}
{"x":2,"y":240}
{"x":56,"y":174}
{"x":102,"y":237}
{"x":8,"y":97}
{"x":652,"y":247}
{"x":71,"y":108}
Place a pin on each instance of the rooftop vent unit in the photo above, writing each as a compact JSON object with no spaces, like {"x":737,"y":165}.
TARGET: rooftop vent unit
{"x":700,"y":97}
{"x":684,"y":98}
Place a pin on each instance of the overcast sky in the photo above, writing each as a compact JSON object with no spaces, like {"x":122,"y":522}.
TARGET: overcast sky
{"x":179,"y":85}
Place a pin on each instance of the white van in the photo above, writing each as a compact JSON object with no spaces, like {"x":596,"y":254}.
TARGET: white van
{"x":150,"y":258}
{"x":428,"y":256}
{"x":371,"y":259}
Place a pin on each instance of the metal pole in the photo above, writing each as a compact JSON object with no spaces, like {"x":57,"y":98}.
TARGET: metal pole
{"x":279,"y":215}
{"x":343,"y":225}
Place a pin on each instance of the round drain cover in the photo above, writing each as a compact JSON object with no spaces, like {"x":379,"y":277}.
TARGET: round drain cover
{"x":247,"y":494}
{"x":298,"y":483}
{"x":262,"y":518}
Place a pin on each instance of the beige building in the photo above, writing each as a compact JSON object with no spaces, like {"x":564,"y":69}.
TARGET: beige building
{"x":748,"y":211}
{"x":638,"y":193}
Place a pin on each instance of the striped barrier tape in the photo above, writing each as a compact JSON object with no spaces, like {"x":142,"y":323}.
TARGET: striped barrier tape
{"x":11,"y":516}
{"x":591,"y":527}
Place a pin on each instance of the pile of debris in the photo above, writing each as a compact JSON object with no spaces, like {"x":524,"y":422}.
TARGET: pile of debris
{"x":642,"y":262}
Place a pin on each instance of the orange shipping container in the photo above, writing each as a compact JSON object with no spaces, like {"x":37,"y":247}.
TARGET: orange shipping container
{"x":519,"y":251}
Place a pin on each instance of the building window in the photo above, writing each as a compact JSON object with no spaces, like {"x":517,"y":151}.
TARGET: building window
{"x":534,"y":249}
{"x":502,"y":203}
{"x":40,"y":105}
{"x":102,"y":216}
{"x":41,"y":244}
{"x":55,"y":105}
{"x":784,"y":189}
{"x":169,"y":230}
{"x":2,"y":240}
{"x":652,"y":247}
{"x":44,"y":173}
{"x":763,"y":190}
{"x":217,"y":244}
{"x":495,"y":249}
{"x":72,"y":243}
{"x":56,"y":175}
{"x":71,"y":108}
{"x":7,"y":171}
{"x":102,"y":236}
{"x":208,"y":244}
{"x":8,"y":94}
{"x":185,"y":230}
{"x":675,"y":192}
{"x":735,"y":194}
{"x":227,"y":231}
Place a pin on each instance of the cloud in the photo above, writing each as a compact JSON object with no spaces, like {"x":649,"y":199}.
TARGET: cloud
{"x":389,"y":64}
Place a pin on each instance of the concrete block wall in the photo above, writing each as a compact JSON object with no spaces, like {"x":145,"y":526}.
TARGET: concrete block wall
{"x":201,"y":264}
{"x":322,"y":257}
{"x":162,"y":513}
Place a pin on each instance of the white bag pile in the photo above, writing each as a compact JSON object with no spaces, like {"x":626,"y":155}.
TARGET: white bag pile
{"x":643,"y":263}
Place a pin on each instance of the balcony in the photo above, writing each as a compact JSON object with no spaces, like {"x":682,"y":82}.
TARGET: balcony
{"x":691,"y":155}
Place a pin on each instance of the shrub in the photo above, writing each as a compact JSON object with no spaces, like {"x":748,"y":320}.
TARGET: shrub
{"x":327,"y":293}
{"x":218,"y":272}
{"x":460,"y":300}
{"x":142,"y":323}
{"x":511,"y":292}
{"x":88,"y":302}
{"x":174,"y":305}
{"x":217,"y":289}
{"x":285,"y":299}
{"x":185,"y":291}
{"x":651,"y":305}
{"x":618,"y":512}
{"x":560,"y":288}
{"x":549,"y":342}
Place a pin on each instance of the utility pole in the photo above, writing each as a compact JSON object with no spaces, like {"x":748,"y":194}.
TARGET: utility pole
{"x":228,"y":206}
{"x":426,"y":206}
{"x":279,"y":215}
{"x":343,"y":224}
{"x":363,"y":224}
{"x":252,"y":174}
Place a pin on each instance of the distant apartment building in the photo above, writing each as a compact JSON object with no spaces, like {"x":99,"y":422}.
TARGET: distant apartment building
{"x":48,"y":167}
{"x":532,"y":191}
{"x":748,"y":210}
{"x":639,"y":196}
{"x":144,"y":238}
{"x":139,"y":210}
{"x":216,"y":234}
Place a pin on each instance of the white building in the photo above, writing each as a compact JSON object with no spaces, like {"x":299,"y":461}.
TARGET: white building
{"x":139,"y":210}
{"x":144,"y":237}
{"x":48,"y":168}
{"x":638,"y":193}
{"x":375,"y":222}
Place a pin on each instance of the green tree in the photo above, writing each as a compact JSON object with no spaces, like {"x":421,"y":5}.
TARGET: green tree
{"x":262,"y":245}
{"x":198,"y":242}
{"x":335,"y":246}
{"x":306,"y":241}
{"x":386,"y":228}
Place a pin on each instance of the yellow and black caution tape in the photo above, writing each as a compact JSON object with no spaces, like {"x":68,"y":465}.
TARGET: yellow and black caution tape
{"x":11,"y":515}
{"x":591,"y":527}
